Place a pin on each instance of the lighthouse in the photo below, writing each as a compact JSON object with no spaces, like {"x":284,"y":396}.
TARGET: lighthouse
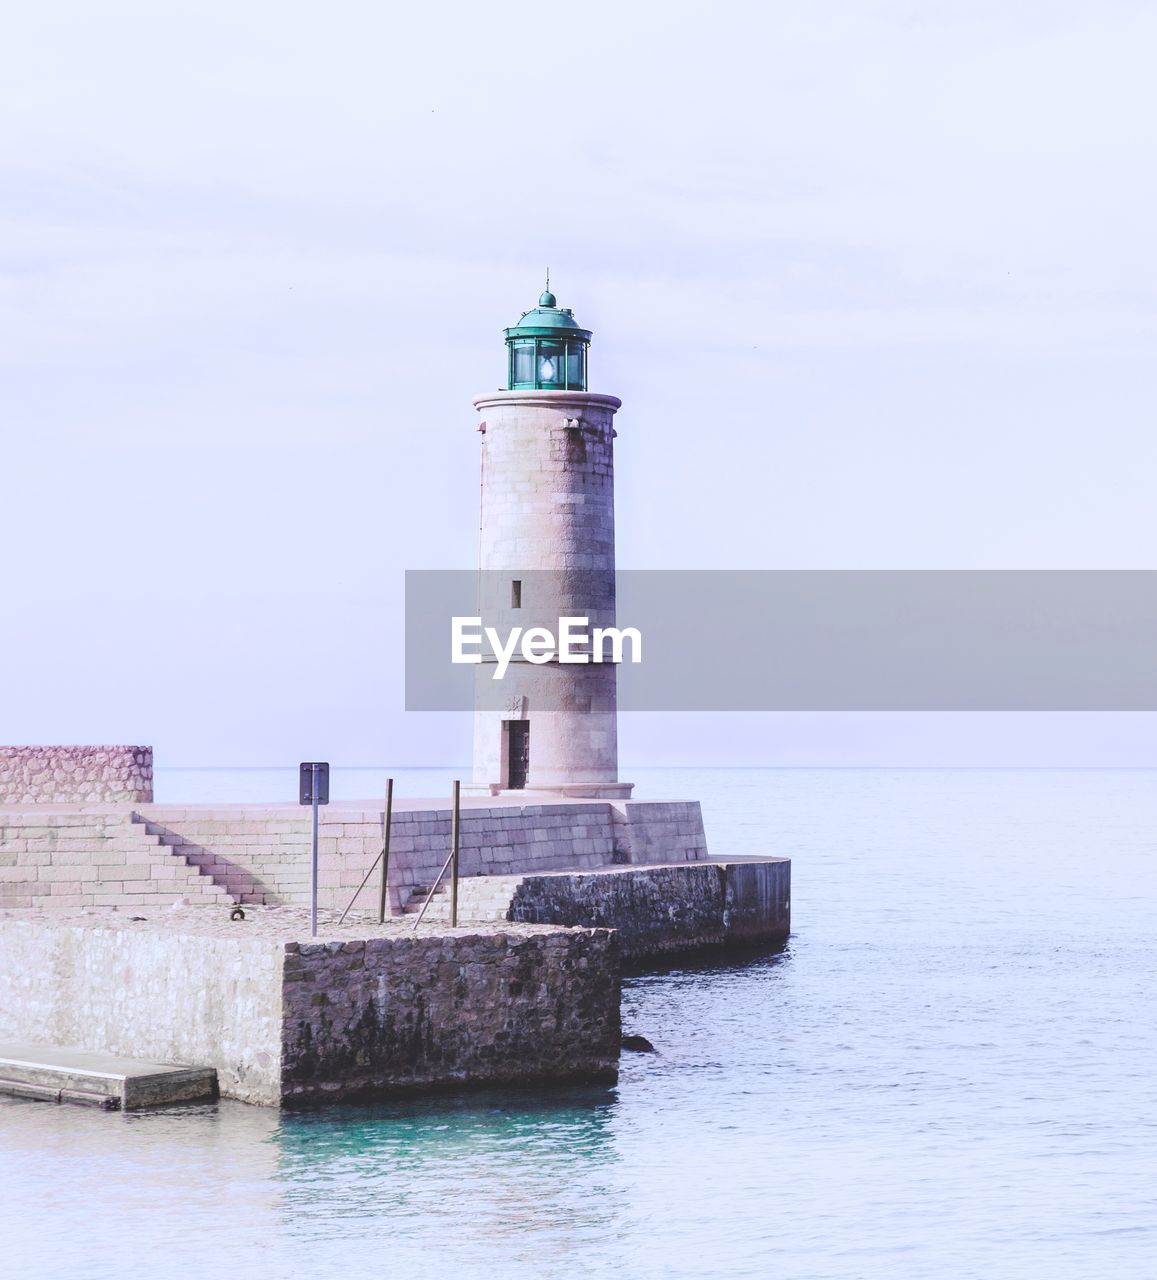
{"x":547,"y":553}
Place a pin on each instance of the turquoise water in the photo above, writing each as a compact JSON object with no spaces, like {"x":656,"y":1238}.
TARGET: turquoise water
{"x":948,"y":1072}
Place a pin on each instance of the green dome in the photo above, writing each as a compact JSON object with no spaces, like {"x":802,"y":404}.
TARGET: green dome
{"x":548,"y":319}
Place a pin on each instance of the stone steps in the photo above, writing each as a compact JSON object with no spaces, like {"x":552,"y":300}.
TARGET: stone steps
{"x":418,"y":894}
{"x":96,"y":859}
{"x":239,"y":881}
{"x":480,"y":899}
{"x":199,"y":879}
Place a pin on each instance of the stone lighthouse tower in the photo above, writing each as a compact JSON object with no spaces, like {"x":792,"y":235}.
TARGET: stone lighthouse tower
{"x":547,"y":553}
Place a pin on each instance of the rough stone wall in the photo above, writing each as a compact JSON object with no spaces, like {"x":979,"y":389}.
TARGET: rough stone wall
{"x":662,"y":909}
{"x":75,"y":775}
{"x":413,"y":1012}
{"x":654,"y":909}
{"x":70,"y":858}
{"x":143,"y":993}
{"x":302,"y":1022}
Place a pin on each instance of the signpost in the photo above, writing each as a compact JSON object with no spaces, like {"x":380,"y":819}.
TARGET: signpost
{"x":313,"y":789}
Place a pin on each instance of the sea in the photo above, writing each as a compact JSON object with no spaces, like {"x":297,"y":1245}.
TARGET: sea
{"x":950,"y":1070}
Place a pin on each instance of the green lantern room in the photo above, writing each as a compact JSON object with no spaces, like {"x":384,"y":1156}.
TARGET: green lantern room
{"x":546,"y":349}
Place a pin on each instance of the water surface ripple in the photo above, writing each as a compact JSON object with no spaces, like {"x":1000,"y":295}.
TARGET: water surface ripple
{"x":947,"y":1072}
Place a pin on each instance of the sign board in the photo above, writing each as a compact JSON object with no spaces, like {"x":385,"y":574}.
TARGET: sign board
{"x":310,"y":770}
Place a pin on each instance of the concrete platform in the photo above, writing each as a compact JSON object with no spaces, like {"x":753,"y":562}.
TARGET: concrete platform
{"x":57,"y":1073}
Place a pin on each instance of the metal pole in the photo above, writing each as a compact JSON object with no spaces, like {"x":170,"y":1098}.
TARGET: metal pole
{"x":454,"y":859}
{"x":313,"y":863}
{"x":383,"y":855}
{"x":433,"y":889}
{"x":386,"y":850}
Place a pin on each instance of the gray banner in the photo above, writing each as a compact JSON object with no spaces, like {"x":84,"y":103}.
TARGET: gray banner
{"x":810,"y":640}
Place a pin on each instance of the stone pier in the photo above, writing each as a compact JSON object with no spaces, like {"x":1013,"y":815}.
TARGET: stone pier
{"x":362,"y":1011}
{"x":117,"y":936}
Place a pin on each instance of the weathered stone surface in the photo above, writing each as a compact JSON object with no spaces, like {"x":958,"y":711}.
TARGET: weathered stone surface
{"x":75,"y":775}
{"x":144,"y":992}
{"x":363,"y":1010}
{"x":668,"y":908}
{"x":412,"y":1012}
{"x":654,"y":909}
{"x":756,"y":900}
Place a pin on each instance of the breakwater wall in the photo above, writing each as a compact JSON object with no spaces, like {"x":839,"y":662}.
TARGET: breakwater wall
{"x":291,"y":1022}
{"x":654,"y":910}
{"x":657,"y":910}
{"x":75,"y":775}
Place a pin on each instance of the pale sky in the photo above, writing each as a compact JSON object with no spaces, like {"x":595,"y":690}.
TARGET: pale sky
{"x":874,"y":281}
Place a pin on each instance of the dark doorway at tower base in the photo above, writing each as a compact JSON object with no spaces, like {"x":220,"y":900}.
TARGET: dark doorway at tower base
{"x":517,"y":753}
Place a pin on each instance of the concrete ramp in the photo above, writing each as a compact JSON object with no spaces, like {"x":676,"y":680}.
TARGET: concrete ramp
{"x":57,"y":1073}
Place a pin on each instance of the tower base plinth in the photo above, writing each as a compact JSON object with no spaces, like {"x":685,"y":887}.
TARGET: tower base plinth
{"x":567,"y":791}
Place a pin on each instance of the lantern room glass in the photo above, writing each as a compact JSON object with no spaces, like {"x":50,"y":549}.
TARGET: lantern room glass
{"x":547,"y":364}
{"x":550,"y":370}
{"x":576,"y":374}
{"x":522,"y":364}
